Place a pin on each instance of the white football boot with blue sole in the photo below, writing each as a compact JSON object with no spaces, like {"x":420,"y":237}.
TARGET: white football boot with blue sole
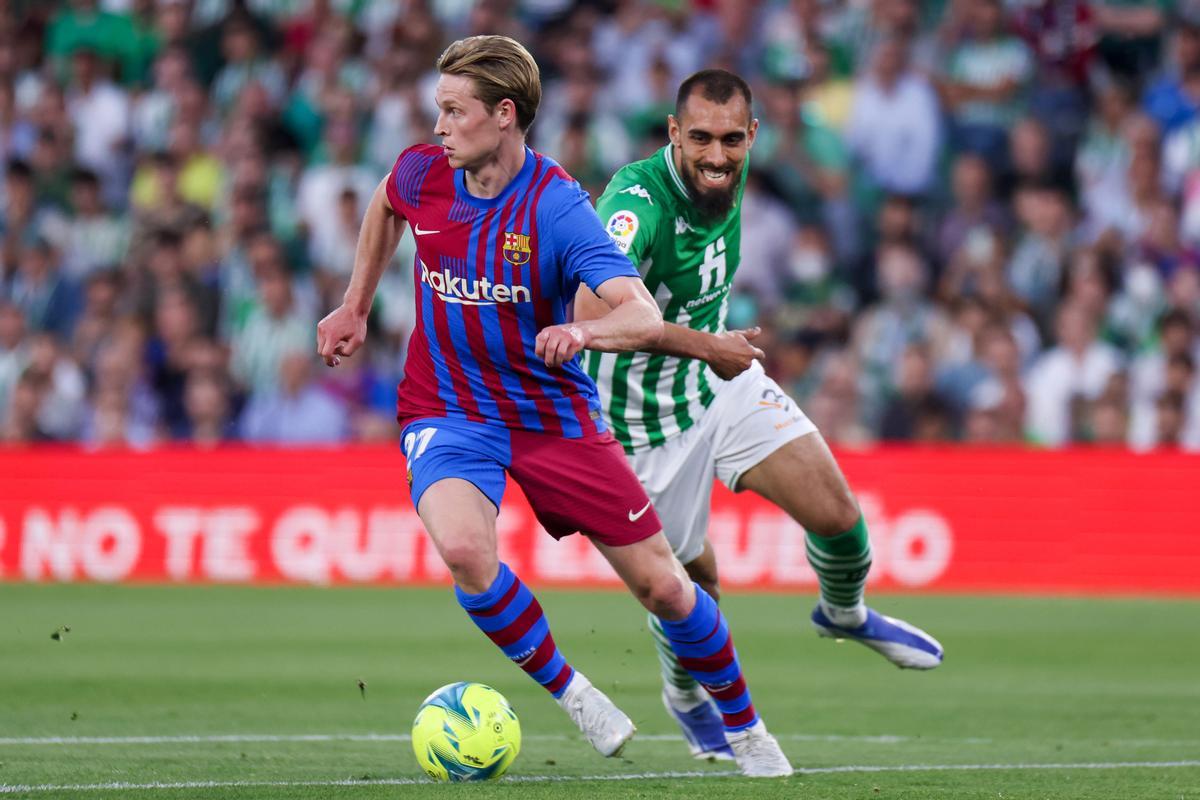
{"x":906,"y":646}
{"x":703,"y":730}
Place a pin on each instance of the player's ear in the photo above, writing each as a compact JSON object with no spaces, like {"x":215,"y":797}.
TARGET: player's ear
{"x":506,"y":113}
{"x":673,"y":131}
{"x":752,"y":134}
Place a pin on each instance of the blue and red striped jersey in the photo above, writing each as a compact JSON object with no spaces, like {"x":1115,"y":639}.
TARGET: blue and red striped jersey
{"x":489,"y":274}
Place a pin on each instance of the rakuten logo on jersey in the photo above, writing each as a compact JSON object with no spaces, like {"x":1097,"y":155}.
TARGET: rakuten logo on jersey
{"x":472,"y":292}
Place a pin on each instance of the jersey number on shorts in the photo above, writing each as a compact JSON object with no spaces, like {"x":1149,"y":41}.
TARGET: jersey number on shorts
{"x":774,"y":399}
{"x":415,"y":443}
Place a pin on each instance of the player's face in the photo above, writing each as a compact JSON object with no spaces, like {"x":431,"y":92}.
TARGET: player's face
{"x":470,"y":133}
{"x":712,"y":140}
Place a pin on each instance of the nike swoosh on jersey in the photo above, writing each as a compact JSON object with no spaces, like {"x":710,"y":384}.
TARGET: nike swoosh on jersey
{"x":635,"y":517}
{"x":417,"y":230}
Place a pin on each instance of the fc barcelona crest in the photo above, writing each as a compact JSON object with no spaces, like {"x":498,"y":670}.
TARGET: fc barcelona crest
{"x":516,"y":248}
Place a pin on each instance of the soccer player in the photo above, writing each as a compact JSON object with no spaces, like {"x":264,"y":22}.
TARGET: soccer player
{"x":699,"y":405}
{"x":493,"y":384}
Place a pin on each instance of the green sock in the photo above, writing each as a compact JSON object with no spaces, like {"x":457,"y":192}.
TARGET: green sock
{"x":674,"y":676}
{"x":841,"y":563}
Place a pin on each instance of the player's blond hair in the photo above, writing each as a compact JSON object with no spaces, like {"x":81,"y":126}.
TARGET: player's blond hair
{"x":502,"y":70}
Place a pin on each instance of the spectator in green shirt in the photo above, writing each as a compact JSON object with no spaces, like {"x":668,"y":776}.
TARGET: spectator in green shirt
{"x":122,"y":38}
{"x":985,"y":80}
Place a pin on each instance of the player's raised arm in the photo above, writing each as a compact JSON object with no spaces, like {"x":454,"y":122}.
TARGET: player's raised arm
{"x":729,"y":353}
{"x":345,"y":328}
{"x":632,"y":322}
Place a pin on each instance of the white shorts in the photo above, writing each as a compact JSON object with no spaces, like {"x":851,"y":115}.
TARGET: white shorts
{"x":749,"y":419}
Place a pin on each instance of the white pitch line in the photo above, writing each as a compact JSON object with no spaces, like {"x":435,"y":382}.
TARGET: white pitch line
{"x":123,"y":786}
{"x":226,"y":738}
{"x":210,"y":739}
{"x":988,"y":767}
{"x":404,"y":737}
{"x":126,"y":786}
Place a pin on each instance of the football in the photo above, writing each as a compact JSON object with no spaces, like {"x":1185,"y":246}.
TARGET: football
{"x":466,"y":732}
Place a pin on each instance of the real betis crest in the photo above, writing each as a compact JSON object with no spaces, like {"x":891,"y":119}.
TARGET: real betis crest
{"x":516,"y":248}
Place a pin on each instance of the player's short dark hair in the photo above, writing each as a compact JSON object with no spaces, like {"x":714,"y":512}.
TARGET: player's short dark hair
{"x":714,"y":85}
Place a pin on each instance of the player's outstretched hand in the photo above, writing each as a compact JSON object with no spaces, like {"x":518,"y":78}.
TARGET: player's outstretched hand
{"x":733,"y":352}
{"x":341,"y":333}
{"x":558,"y":344}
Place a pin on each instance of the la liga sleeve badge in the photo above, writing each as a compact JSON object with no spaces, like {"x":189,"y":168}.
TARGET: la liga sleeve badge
{"x":622,"y":227}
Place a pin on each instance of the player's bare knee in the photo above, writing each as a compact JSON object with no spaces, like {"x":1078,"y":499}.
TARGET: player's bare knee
{"x":840,"y":515}
{"x":472,"y":567}
{"x":667,"y":597}
{"x":847,"y":513}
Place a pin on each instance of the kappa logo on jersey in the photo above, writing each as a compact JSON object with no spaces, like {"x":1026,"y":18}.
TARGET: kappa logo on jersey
{"x":682,"y":227}
{"x":478,"y":292}
{"x":637,"y":191}
{"x":622,"y":227}
{"x":516,"y":248}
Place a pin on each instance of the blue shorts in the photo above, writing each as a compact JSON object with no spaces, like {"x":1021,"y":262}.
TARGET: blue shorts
{"x":437,"y":448}
{"x":573,"y":485}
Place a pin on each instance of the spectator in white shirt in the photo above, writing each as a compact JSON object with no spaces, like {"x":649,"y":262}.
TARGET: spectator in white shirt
{"x":767,"y":246}
{"x":895,"y":124}
{"x":296,"y":410}
{"x":332,"y":247}
{"x":14,"y":349}
{"x":1157,"y":372}
{"x":100,"y":114}
{"x":1079,"y":367}
{"x":322,"y":184}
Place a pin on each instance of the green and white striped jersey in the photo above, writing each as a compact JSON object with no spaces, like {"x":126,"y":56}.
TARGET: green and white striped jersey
{"x":687,"y":263}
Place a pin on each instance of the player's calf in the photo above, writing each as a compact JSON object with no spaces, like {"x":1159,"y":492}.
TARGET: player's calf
{"x":688,"y":703}
{"x":705,"y":649}
{"x":842,"y":563}
{"x":509,"y":615}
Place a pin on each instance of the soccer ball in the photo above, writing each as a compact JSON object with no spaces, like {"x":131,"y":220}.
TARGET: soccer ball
{"x":465,"y":732}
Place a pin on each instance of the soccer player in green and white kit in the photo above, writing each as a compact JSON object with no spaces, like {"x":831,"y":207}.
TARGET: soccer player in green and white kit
{"x":701,"y":405}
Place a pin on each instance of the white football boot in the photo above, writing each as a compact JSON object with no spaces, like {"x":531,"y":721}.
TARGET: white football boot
{"x":757,"y":753}
{"x":604,"y":725}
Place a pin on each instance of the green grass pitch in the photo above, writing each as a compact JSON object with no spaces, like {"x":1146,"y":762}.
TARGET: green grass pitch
{"x":232,"y":692}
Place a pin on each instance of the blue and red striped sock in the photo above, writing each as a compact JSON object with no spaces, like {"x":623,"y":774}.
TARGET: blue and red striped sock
{"x":510,"y":616}
{"x":705,"y":649}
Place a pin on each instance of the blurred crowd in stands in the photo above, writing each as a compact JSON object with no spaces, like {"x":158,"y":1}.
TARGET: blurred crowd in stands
{"x":967,"y":220}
